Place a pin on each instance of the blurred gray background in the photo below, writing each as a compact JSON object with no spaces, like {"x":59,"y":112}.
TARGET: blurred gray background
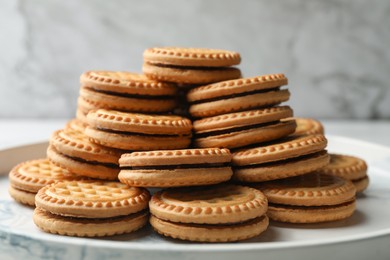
{"x":336,"y":53}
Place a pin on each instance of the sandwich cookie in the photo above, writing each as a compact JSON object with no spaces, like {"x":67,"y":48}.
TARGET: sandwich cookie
{"x":190,"y":65}
{"x":221,"y":213}
{"x":243,"y":128}
{"x":72,"y":149}
{"x":90,"y":208}
{"x":76,"y":124}
{"x":28,"y":177}
{"x":125,"y":91}
{"x":174,"y":168}
{"x":237,"y":95}
{"x":130,"y":131}
{"x":291,"y":156}
{"x":308,"y":126}
{"x":348,"y":167}
{"x":310,"y":198}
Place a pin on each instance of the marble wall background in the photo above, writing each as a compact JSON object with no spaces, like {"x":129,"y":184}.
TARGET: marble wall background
{"x":336,"y":53}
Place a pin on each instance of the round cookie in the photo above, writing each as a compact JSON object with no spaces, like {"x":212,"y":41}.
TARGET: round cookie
{"x":80,"y":227}
{"x":237,"y":95}
{"x":310,"y":198}
{"x":243,"y":128}
{"x":307,"y":126}
{"x":126,"y":83}
{"x":72,"y":150}
{"x":291,"y":156}
{"x":191,"y":57}
{"x":190,"y":65}
{"x":126,"y":102}
{"x":130,"y":131}
{"x":90,"y":208}
{"x":91,"y":199}
{"x":348,"y":167}
{"x":28,"y":177}
{"x":190,"y":76}
{"x":209,"y":214}
{"x":174,"y":168}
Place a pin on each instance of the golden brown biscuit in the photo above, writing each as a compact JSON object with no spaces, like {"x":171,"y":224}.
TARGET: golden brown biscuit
{"x":307,"y":126}
{"x":90,"y":208}
{"x":291,"y":156}
{"x":348,"y":167}
{"x":310,"y":198}
{"x":174,"y":168}
{"x":237,"y":95}
{"x":243,"y":128}
{"x":130,"y":131}
{"x":28,"y":177}
{"x":210,"y":214}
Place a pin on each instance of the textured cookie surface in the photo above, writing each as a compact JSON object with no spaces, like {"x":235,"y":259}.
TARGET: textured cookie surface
{"x":124,"y":102}
{"x":281,"y":169}
{"x":96,"y":170}
{"x":139,"y":123}
{"x":175,"y":168}
{"x":237,"y":86}
{"x":81,"y":227}
{"x":21,"y":196}
{"x":349,"y":167}
{"x":210,"y":233}
{"x":176,"y":157}
{"x":92,"y":199}
{"x":289,"y":147}
{"x":190,"y":75}
{"x":32,"y":175}
{"x":76,"y":124}
{"x":74,"y":143}
{"x":309,"y":190}
{"x":191,"y":57}
{"x":126,"y":82}
{"x":208,"y":205}
{"x":313,"y":214}
{"x":248,"y":135}
{"x":308,"y":126}
{"x":239,"y":119}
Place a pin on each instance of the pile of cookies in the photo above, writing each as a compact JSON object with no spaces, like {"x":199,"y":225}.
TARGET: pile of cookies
{"x":228,"y":156}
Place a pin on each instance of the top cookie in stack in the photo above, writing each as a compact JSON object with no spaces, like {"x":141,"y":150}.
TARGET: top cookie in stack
{"x":241,"y":112}
{"x":190,"y":66}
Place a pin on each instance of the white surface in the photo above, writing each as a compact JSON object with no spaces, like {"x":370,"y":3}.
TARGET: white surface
{"x":366,"y":235}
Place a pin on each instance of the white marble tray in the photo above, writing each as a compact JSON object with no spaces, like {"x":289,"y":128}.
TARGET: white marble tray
{"x":366,"y":235}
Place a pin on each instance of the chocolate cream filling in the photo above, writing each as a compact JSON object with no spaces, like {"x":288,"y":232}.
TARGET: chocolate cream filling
{"x":140,"y":134}
{"x":222,"y":225}
{"x":234,"y":129}
{"x":174,"y":167}
{"x":276,"y":205}
{"x":161,"y":65}
{"x":109,"y":165}
{"x":243,"y":94}
{"x":282,"y":162}
{"x":126,"y":95}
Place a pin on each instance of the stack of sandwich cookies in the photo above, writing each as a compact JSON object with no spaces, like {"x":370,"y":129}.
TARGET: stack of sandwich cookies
{"x":28,"y":177}
{"x":308,"y":126}
{"x":310,"y":198}
{"x":348,"y":167}
{"x":237,"y":95}
{"x":72,"y":149}
{"x":91,"y":208}
{"x":243,"y":128}
{"x":124,"y":91}
{"x":292,"y":156}
{"x":220,"y":213}
{"x":190,"y":66}
{"x":131,"y":131}
{"x":174,"y":168}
